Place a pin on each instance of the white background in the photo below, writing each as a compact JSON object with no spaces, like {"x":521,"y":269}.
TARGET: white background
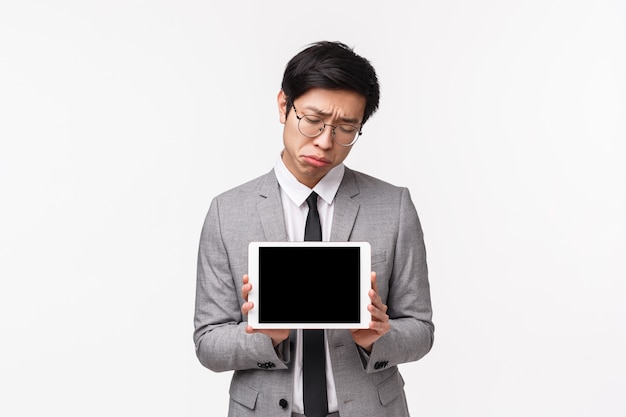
{"x":120,"y":120}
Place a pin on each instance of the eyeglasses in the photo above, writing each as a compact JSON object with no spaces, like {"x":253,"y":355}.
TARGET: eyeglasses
{"x":312,"y":126}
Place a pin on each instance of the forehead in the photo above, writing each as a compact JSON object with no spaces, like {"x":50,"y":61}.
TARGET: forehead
{"x":342,"y":104}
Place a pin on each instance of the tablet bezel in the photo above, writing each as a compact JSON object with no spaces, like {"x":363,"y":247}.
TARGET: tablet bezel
{"x":364,"y":283}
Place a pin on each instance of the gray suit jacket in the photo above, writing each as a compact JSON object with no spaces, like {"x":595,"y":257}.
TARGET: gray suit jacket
{"x":366,"y":209}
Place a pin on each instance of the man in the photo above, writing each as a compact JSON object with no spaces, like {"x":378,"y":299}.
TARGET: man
{"x":327,"y":95}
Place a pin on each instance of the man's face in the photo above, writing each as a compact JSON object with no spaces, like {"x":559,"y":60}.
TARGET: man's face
{"x":309,"y":159}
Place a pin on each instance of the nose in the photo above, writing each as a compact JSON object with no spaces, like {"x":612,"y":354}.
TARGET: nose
{"x":325,"y":139}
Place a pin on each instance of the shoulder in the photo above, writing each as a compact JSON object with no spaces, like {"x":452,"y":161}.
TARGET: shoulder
{"x":259,"y":186}
{"x":374,"y":193}
{"x":368,"y":184}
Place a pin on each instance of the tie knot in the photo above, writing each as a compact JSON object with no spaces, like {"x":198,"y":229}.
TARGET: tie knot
{"x":312,"y":200}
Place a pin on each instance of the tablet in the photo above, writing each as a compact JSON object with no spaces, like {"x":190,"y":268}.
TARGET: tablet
{"x":309,"y":285}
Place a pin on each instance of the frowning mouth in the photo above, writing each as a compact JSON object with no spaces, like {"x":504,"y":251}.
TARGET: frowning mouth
{"x":316,"y":162}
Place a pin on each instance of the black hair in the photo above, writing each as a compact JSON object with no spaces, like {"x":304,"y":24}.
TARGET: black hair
{"x":332,"y":66}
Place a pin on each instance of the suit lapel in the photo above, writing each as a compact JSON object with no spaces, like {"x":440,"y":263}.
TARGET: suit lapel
{"x":346,"y":208}
{"x":270,"y":210}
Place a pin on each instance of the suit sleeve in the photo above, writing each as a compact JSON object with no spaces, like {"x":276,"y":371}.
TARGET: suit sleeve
{"x":411,"y":333}
{"x":220,"y":339}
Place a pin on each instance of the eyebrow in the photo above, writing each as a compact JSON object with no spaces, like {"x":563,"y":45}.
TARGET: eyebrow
{"x":323,"y":113}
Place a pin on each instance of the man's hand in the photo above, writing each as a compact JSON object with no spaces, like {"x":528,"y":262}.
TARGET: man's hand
{"x":277,"y":335}
{"x":380,"y":320}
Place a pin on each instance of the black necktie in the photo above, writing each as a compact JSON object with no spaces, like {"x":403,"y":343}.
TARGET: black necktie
{"x":313,"y":351}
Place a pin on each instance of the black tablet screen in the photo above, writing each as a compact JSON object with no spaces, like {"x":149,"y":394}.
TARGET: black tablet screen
{"x":309,"y":284}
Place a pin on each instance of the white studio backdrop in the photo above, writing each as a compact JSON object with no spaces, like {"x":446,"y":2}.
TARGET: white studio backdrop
{"x":120,"y":120}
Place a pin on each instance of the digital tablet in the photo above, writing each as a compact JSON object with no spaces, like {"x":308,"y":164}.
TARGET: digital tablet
{"x":309,"y":285}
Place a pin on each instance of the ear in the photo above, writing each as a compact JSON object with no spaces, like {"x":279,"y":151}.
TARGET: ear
{"x":282,"y":106}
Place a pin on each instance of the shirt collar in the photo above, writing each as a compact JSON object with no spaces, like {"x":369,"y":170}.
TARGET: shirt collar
{"x":297,"y":192}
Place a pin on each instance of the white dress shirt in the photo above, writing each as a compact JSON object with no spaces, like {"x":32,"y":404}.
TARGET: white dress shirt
{"x":294,"y":194}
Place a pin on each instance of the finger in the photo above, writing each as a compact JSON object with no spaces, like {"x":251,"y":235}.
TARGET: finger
{"x":245,"y":290}
{"x":377,"y":301}
{"x":379,"y":327}
{"x":373,"y":293}
{"x":246,"y":287}
{"x":374,"y":283}
{"x":378,"y":314}
{"x":246,"y":307}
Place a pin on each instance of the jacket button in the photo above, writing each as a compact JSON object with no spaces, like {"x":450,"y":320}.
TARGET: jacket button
{"x":266,"y":365}
{"x":283,"y":403}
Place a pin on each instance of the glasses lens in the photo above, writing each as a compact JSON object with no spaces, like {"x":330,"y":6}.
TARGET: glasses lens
{"x":310,"y":126}
{"x":345,"y":134}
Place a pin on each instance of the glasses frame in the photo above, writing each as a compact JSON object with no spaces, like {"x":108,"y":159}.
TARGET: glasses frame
{"x":356,"y":136}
